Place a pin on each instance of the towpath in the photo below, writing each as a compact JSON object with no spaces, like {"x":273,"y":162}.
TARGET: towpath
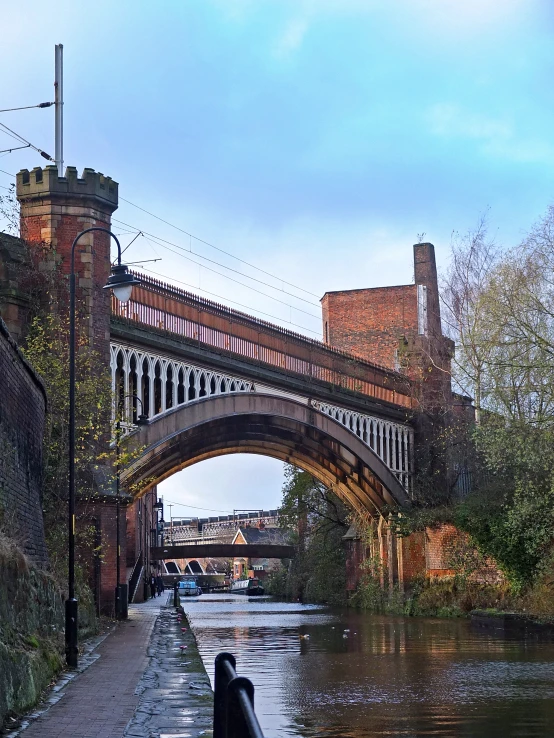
{"x":141,"y":684}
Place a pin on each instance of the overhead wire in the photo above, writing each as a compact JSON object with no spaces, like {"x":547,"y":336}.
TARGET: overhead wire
{"x":195,"y":507}
{"x":28,"y":107}
{"x":163,"y":243}
{"x":225,"y":276}
{"x":233,"y":302}
{"x":217,"y":248}
{"x":15,"y":148}
{"x":17,"y":137}
{"x":217,"y":263}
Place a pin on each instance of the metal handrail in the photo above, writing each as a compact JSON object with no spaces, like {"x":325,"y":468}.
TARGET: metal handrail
{"x":234,"y":715}
{"x":135,"y":577}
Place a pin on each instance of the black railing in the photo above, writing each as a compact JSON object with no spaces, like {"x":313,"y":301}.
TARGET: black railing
{"x":234,"y":715}
{"x":135,"y":577}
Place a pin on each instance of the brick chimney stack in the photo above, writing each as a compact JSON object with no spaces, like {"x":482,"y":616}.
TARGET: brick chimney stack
{"x":53,"y":211}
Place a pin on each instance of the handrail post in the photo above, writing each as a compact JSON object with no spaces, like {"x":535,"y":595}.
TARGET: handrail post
{"x":241,"y":720}
{"x":222,"y":677}
{"x":175,"y":594}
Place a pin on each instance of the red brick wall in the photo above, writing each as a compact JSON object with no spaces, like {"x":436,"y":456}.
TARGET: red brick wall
{"x":355,"y":550}
{"x":103,"y":516}
{"x":439,"y":544}
{"x":22,"y":419}
{"x":411,"y":553}
{"x":370,"y":323}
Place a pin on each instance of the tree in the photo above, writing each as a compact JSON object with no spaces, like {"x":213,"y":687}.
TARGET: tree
{"x":465,"y":313}
{"x":501,"y":309}
{"x":46,"y":348}
{"x":317,"y":521}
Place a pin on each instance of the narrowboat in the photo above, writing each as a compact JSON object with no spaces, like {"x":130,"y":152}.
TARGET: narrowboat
{"x":249,"y":587}
{"x":189,"y":588}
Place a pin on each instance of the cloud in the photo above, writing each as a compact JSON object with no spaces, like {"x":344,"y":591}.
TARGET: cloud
{"x":497,"y":136}
{"x":292,"y":37}
{"x":450,"y":120}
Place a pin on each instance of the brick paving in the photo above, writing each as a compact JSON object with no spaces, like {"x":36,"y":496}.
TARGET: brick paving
{"x":100,"y":702}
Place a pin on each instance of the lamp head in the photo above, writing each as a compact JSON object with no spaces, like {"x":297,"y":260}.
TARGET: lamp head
{"x":142,"y":419}
{"x":121,"y":282}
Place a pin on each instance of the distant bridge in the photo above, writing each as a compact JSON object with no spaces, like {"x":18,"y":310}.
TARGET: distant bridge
{"x":223,"y":551}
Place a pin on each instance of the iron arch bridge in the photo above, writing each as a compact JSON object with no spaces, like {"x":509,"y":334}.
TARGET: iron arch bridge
{"x":214,"y":381}
{"x":365,"y":459}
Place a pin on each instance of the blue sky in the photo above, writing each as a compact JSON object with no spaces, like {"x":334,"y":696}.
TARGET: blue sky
{"x":314,"y":139}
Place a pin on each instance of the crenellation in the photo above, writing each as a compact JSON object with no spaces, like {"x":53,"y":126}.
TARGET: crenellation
{"x":47,"y":183}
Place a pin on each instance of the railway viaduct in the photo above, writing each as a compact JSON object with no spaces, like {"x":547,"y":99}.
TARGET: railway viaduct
{"x":216,"y":381}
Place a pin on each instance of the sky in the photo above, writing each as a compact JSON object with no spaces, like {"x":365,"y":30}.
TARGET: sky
{"x":315,"y":140}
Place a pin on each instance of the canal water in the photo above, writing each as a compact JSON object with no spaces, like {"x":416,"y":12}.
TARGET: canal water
{"x":357,"y":675}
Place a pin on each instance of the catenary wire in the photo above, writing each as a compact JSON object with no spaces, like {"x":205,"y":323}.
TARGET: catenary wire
{"x":217,"y":248}
{"x":225,"y":276}
{"x":15,"y":148}
{"x":28,"y":107}
{"x":219,"y":273}
{"x":195,"y":507}
{"x":217,"y":263}
{"x":233,"y":302}
{"x":15,"y":135}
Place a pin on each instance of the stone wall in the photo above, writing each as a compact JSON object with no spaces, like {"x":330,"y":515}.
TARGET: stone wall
{"x":31,"y":631}
{"x":22,"y":418}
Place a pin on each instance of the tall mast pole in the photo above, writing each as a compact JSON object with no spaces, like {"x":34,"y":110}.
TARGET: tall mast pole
{"x":58,"y":99}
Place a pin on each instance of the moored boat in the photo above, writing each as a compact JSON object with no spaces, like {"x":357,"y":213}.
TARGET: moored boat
{"x":249,"y":587}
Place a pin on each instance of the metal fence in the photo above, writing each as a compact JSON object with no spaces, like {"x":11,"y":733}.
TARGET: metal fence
{"x":234,"y":715}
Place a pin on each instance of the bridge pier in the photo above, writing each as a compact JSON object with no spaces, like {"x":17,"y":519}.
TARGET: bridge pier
{"x":396,"y":561}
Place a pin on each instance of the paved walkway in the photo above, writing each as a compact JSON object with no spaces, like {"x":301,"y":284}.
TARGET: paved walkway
{"x":101,"y":701}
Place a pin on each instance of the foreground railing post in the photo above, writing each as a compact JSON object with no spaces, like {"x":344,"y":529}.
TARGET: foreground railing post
{"x":175,"y":594}
{"x":222,"y":677}
{"x":234,"y":715}
{"x":241,"y":718}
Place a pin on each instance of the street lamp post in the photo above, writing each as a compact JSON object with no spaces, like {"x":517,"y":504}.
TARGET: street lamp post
{"x":158,"y":506}
{"x":121,"y":592}
{"x":121,"y":282}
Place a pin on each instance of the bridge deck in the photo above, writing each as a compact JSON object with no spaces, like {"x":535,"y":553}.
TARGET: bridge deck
{"x":223,"y":550}
{"x":163,"y":307}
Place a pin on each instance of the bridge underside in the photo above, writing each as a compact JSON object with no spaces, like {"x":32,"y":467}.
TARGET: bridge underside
{"x":271,"y":426}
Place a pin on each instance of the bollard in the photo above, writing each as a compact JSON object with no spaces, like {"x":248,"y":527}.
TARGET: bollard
{"x":123,"y":602}
{"x":175,"y":594}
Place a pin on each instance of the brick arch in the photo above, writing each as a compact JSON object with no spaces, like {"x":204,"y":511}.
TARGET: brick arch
{"x":271,"y":426}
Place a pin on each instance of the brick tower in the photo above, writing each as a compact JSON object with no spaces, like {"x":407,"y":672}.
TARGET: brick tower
{"x":400,"y":328}
{"x":54,"y":210}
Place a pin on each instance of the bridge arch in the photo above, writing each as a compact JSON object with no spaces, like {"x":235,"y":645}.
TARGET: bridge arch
{"x":273,"y":426}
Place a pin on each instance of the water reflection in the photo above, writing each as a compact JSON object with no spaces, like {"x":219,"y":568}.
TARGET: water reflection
{"x":329,"y":672}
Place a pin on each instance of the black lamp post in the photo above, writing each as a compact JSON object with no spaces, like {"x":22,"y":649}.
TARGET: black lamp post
{"x":121,"y":282}
{"x":159,"y":508}
{"x":121,"y":591}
